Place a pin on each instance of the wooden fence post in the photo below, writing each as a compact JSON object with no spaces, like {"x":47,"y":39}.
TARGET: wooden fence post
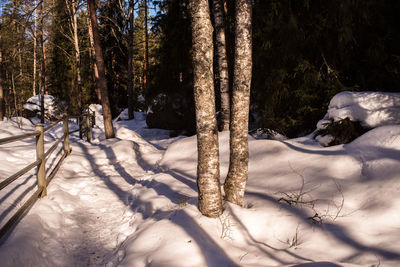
{"x":88,"y":127}
{"x":67,"y":149}
{"x":41,"y":171}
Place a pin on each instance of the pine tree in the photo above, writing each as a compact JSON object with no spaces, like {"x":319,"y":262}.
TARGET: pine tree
{"x":101,"y":81}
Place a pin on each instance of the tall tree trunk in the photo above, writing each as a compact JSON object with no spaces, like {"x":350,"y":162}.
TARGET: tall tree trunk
{"x":101,"y":81}
{"x":43,"y":72}
{"x":93,"y":59}
{"x":14,"y":92}
{"x":218,"y":9}
{"x":34,"y":50}
{"x":130,"y":58}
{"x":146,"y":49}
{"x":210,"y":201}
{"x":1,"y":83}
{"x":77,"y":55}
{"x":235,"y":182}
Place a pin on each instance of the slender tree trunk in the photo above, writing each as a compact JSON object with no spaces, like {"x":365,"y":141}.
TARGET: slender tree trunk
{"x":14,"y":92}
{"x":43,"y":72}
{"x":77,"y":55}
{"x":1,"y":83}
{"x":34,"y":51}
{"x":101,"y":81}
{"x":222,"y":63}
{"x":210,"y":201}
{"x":93,"y":60}
{"x":130,"y":59}
{"x":146,"y":49}
{"x":235,"y":183}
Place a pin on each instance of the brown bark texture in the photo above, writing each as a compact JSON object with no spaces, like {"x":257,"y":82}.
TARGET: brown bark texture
{"x":101,"y":81}
{"x":235,"y":182}
{"x":34,"y":52}
{"x":43,"y":71}
{"x":74,"y":25}
{"x":218,"y":9}
{"x":93,"y":60}
{"x":210,"y":200}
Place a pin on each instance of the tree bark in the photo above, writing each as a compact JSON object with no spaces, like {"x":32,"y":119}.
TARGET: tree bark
{"x":235,"y":182}
{"x":146,"y":49}
{"x":210,"y":201}
{"x":93,"y":60}
{"x":1,"y":83}
{"x":74,"y":25}
{"x":218,"y":9}
{"x":34,"y":51}
{"x":101,"y":81}
{"x":131,"y":66}
{"x":43,"y":72}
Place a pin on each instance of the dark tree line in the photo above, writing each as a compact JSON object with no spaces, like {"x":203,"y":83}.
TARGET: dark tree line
{"x":304,"y":52}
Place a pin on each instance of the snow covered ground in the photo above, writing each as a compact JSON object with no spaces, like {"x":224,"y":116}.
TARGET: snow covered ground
{"x":131,"y":201}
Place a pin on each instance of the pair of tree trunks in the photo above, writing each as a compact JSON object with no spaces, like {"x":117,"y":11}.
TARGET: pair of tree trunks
{"x":208,"y":176}
{"x":101,"y":81}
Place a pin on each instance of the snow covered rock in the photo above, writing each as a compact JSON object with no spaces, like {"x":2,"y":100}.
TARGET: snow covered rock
{"x":357,"y":110}
{"x":372,"y":109}
{"x":33,"y":106}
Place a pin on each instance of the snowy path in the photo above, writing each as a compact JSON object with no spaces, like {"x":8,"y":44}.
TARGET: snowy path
{"x":101,"y":179}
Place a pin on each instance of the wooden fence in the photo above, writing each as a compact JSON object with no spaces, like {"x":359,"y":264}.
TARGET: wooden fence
{"x":41,"y":155}
{"x":85,"y":122}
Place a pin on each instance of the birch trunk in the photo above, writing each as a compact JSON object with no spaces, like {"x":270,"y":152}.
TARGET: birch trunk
{"x":210,"y":201}
{"x":130,"y":59}
{"x":218,"y":9}
{"x":101,"y":81}
{"x":235,"y":183}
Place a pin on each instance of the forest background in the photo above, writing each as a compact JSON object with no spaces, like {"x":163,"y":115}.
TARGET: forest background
{"x":304,"y":52}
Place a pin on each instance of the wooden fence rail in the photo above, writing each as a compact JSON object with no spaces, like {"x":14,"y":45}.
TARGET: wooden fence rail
{"x":40,"y":162}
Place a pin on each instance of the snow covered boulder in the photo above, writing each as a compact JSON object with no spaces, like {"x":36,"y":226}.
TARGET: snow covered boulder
{"x":32,"y":107}
{"x":350,"y":114}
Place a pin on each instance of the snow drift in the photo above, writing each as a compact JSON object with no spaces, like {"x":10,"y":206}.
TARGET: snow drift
{"x":128,"y":202}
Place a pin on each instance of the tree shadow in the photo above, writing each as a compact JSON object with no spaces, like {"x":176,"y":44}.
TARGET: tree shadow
{"x":210,"y":249}
{"x":336,"y":231}
{"x":272,"y":254}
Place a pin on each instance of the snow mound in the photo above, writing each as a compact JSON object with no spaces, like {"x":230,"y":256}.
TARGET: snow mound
{"x":367,"y":110}
{"x":98,"y":113}
{"x":383,"y":137}
{"x":34,"y":104}
{"x":372,"y":109}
